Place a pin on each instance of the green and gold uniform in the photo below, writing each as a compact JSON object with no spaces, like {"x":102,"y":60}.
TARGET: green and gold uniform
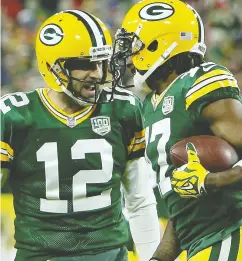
{"x":66,"y":170}
{"x":174,"y":116}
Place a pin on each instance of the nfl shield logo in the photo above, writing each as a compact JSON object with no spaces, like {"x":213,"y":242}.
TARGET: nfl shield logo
{"x":101,"y":125}
{"x":71,"y":122}
{"x":168,"y":104}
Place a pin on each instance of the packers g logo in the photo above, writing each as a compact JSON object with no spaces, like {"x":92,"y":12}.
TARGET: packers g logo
{"x":156,"y":11}
{"x":51,"y":34}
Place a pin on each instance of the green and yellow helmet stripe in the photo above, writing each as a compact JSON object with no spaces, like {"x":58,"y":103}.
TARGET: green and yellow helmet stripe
{"x":93,"y":27}
{"x":201,"y":31}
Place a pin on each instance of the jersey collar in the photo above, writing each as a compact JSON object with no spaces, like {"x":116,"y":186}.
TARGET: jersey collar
{"x":71,"y":120}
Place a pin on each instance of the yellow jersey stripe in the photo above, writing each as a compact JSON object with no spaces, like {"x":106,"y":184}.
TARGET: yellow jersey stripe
{"x":139,"y":135}
{"x":45,"y":91}
{"x":131,"y":144}
{"x":209,"y":88}
{"x":92,"y":109}
{"x":156,"y":99}
{"x":137,"y":146}
{"x":6,"y":147}
{"x":211,"y":74}
{"x":62,"y":116}
{"x":4,"y":157}
{"x":209,"y":81}
{"x":135,"y":140}
{"x":63,"y":120}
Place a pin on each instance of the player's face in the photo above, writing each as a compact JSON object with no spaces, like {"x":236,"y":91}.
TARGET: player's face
{"x":90,"y":72}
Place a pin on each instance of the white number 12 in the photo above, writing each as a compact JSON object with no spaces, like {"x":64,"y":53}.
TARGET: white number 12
{"x":48,"y":154}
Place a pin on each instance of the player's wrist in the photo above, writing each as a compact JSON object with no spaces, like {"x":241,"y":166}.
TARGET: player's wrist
{"x":211,"y":182}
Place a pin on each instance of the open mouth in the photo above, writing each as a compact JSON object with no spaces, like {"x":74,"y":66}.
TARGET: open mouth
{"x":89,"y":91}
{"x":89,"y":88}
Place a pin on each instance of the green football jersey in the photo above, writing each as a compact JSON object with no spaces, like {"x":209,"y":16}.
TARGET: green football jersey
{"x":66,"y":170}
{"x":174,"y":116}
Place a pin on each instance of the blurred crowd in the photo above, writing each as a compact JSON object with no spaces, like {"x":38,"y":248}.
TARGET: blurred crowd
{"x":21,"y":18}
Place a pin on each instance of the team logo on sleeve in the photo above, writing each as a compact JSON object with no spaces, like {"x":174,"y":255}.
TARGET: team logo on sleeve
{"x":168,"y":104}
{"x":51,"y":34}
{"x":101,"y":125}
{"x":156,"y":11}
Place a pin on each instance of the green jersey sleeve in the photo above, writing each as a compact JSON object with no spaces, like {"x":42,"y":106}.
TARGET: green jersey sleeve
{"x":7,"y":151}
{"x":13,"y":111}
{"x":136,"y":146}
{"x":130,"y":109}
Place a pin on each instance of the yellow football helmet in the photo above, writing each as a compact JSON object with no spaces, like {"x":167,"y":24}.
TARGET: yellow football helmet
{"x":77,"y":37}
{"x":155,"y":31}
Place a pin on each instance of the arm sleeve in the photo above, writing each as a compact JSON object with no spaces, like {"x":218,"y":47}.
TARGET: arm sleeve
{"x":141,"y":207}
{"x":7,"y":152}
{"x":134,"y":130}
{"x":217,"y":84}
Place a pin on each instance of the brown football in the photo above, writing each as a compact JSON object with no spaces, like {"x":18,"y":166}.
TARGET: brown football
{"x":214,"y":153}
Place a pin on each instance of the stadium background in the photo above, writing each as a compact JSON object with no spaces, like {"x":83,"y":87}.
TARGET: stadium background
{"x":21,"y":18}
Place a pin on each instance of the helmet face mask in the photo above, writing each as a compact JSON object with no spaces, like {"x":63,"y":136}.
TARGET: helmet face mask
{"x":158,"y":32}
{"x":63,"y":69}
{"x":126,"y":45}
{"x":74,"y":40}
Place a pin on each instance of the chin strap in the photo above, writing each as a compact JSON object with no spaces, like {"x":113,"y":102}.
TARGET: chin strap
{"x":80,"y":102}
{"x":140,"y":79}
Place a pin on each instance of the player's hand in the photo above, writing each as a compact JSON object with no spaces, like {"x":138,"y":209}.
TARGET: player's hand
{"x":188,"y":180}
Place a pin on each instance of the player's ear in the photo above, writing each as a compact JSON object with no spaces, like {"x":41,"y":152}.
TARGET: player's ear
{"x":192,"y":152}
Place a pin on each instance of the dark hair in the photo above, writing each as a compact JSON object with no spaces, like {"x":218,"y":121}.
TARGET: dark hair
{"x":179,"y":63}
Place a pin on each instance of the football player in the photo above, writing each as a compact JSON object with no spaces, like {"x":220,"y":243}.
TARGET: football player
{"x":68,"y":147}
{"x":165,"y":40}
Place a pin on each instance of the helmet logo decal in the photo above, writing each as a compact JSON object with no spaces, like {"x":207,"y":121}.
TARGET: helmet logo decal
{"x":156,"y":11}
{"x":51,"y":34}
